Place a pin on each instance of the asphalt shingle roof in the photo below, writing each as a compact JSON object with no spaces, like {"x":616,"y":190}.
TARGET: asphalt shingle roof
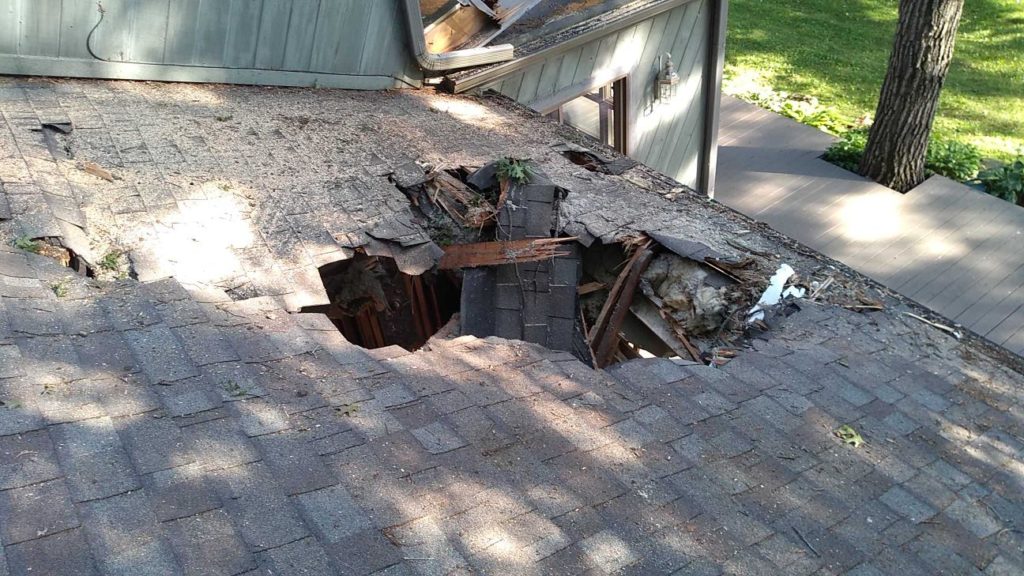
{"x":163,"y":427}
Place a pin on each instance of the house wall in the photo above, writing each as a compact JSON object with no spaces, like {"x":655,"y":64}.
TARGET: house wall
{"x":668,"y":136}
{"x":330,"y":43}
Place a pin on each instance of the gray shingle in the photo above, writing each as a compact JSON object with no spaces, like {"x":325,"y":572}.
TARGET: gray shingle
{"x":153,"y":442}
{"x":333,"y":513}
{"x":257,"y":505}
{"x":27,"y":459}
{"x":974,"y":516}
{"x":438,"y":438}
{"x":160,"y":354}
{"x":907,"y":505}
{"x":181,"y":492}
{"x":208,"y":544}
{"x":126,"y":536}
{"x":65,"y":553}
{"x":33,"y":511}
{"x":10,"y":361}
{"x":302,"y":558}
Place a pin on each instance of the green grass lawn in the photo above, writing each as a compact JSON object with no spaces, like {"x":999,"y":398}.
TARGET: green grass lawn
{"x":837,"y":51}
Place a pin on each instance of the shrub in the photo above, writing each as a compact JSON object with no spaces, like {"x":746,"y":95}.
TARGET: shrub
{"x":514,"y":170}
{"x":27,"y":244}
{"x":810,"y":113}
{"x":952,"y":159}
{"x":1006,"y":181}
{"x":803,"y":109}
{"x":110,"y":261}
{"x":847,"y":152}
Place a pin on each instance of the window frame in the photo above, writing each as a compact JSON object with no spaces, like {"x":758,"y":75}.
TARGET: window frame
{"x":619,"y":130}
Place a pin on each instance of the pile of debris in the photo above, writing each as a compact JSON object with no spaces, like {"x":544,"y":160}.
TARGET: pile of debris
{"x":505,"y":257}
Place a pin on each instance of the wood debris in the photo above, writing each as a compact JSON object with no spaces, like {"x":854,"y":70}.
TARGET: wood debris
{"x":497,"y":253}
{"x":680,"y":334}
{"x":97,"y":171}
{"x":947,"y":329}
{"x":604,"y":336}
{"x":463,"y":204}
{"x":590,"y":287}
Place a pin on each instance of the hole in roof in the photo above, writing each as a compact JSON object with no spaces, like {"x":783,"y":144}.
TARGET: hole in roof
{"x":52,"y":248}
{"x":375,"y":305}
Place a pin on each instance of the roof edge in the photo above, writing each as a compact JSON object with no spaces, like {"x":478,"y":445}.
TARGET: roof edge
{"x":574,"y":36}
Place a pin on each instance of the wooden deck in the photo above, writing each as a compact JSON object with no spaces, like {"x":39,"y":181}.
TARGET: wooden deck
{"x":956,"y":250}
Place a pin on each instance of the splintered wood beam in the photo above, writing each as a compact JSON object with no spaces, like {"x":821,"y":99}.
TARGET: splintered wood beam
{"x":680,"y":335}
{"x":464,"y":205}
{"x":589,"y":287}
{"x":604,"y":338}
{"x":496,"y":253}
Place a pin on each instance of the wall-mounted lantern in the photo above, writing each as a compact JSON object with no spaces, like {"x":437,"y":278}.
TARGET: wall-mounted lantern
{"x":668,"y":79}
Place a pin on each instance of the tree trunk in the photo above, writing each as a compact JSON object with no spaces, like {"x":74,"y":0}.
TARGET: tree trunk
{"x":922,"y":51}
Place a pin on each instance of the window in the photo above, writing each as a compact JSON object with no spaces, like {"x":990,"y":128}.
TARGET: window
{"x":600,"y":113}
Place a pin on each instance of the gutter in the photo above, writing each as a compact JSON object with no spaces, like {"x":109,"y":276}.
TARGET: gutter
{"x":449,"y":60}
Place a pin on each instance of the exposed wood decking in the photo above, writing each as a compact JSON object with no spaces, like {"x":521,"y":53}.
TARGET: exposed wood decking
{"x":951,"y":248}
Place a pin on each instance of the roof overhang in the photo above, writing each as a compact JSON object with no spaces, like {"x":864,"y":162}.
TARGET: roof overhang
{"x":564,"y":41}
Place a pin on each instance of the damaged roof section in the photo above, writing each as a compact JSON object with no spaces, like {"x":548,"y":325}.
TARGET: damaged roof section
{"x":522,"y":277}
{"x":405,"y":177}
{"x":234,"y":437}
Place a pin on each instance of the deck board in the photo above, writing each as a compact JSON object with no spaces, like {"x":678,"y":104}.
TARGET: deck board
{"x":947,"y":246}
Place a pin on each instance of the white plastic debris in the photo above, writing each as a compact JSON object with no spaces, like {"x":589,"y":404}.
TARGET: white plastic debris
{"x":774,"y":293}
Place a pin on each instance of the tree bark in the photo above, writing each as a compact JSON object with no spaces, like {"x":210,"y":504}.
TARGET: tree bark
{"x":923,"y":48}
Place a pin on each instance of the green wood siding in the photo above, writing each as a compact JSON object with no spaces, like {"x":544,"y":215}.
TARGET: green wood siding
{"x":667,"y":136}
{"x":340,"y":43}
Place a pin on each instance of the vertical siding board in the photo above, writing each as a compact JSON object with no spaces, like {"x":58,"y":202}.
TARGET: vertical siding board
{"x":680,"y":153}
{"x":624,"y":57}
{"x":338,"y":45}
{"x":515,"y":84}
{"x":10,"y":23}
{"x":273,"y":38}
{"x":40,"y":28}
{"x":110,"y":41}
{"x":147,"y":37}
{"x":676,"y":150}
{"x":302,"y":30}
{"x":673,"y":31}
{"x":531,"y":81}
{"x":605,"y":56}
{"x":627,"y":44}
{"x":647,"y":66}
{"x":182,"y":23}
{"x":567,"y":69}
{"x":511,"y":86}
{"x":588,"y":56}
{"x":546,"y":84}
{"x":691,"y":71}
{"x":384,"y":50}
{"x":679,"y":27}
{"x":323,"y":29}
{"x":244,"y":18}
{"x":211,"y":25}
{"x":77,"y":18}
{"x":676,"y":29}
{"x":351,"y":41}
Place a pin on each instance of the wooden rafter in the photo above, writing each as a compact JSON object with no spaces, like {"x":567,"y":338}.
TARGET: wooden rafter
{"x":496,"y":253}
{"x":604,"y":336}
